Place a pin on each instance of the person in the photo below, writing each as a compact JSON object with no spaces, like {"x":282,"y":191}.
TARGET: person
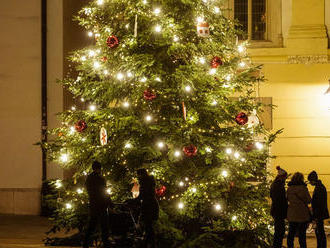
{"x":98,"y":205}
{"x":149,"y":206}
{"x":320,"y":208}
{"x":298,"y":210}
{"x":279,"y":206}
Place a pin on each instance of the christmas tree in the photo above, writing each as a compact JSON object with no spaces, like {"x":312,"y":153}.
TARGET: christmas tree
{"x":168,"y":87}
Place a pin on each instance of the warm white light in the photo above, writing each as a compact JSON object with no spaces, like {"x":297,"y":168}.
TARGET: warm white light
{"x":157,"y":11}
{"x":158,"y":28}
{"x":176,"y":38}
{"x":229,"y":151}
{"x":129,"y":74}
{"x":202,"y":60}
{"x":224,"y":173}
{"x":242,"y":64}
{"x":126,"y":104}
{"x":158,"y":79}
{"x":259,"y":145}
{"x":213,"y":71}
{"x":226,"y":86}
{"x":243,"y":159}
{"x":88,"y":11}
{"x":234,"y":218}
{"x":96,"y":65}
{"x":240,"y":48}
{"x":108,"y":191}
{"x":214,"y":102}
{"x":68,"y":205}
{"x":90,"y":34}
{"x":143,"y":80}
{"x":186,"y":178}
{"x":216,"y":10}
{"x":217,"y":207}
{"x":58,"y":184}
{"x":148,"y":118}
{"x":200,"y":19}
{"x":97,"y":35}
{"x":127,"y":26}
{"x":85,"y":173}
{"x":73,"y":108}
{"x":91,"y":53}
{"x":180,"y":205}
{"x":72,"y":130}
{"x":177,"y":153}
{"x":105,"y":72}
{"x":120,"y":76}
{"x":83,"y":58}
{"x":128,"y":145}
{"x":181,"y":184}
{"x":64,"y":158}
{"x":208,"y":149}
{"x":228,"y":77}
{"x":144,"y":1}
{"x":187,"y":88}
{"x":107,"y":30}
{"x":100,"y":2}
{"x":236,"y":155}
{"x":83,"y":139}
{"x":79,"y":191}
{"x":82,"y":99}
{"x":160,"y":144}
{"x":92,"y":107}
{"x":194,"y":190}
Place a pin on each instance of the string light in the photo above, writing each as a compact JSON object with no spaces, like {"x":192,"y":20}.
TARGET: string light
{"x":213,"y":71}
{"x":160,"y":144}
{"x":83,"y":58}
{"x":96,"y":65}
{"x":234,"y":218}
{"x":229,"y":151}
{"x":177,"y":153}
{"x":181,"y":184}
{"x":176,"y":38}
{"x":208,"y":149}
{"x":186,"y":178}
{"x":158,"y":28}
{"x":187,"y":88}
{"x":157,"y":11}
{"x":217,"y":207}
{"x":83,"y":139}
{"x":82,"y":99}
{"x":68,"y":205}
{"x":126,"y":104}
{"x":180,"y":205}
{"x":259,"y":145}
{"x":97,"y":35}
{"x":129,"y":74}
{"x":80,"y":191}
{"x":200,"y":19}
{"x":120,"y":76}
{"x":73,"y":108}
{"x":108,"y":30}
{"x":92,"y":107}
{"x":64,"y":158}
{"x":144,"y":1}
{"x":91,"y":53}
{"x":100,"y":2}
{"x":105,"y":72}
{"x":88,"y":11}
{"x":108,"y":191}
{"x":127,"y":26}
{"x":228,"y":77}
{"x":148,"y":118}
{"x":214,"y":102}
{"x":90,"y":34}
{"x":224,"y":173}
{"x":242,"y":64}
{"x":202,"y":60}
{"x":58,"y":184}
{"x":128,"y":145}
{"x":72,"y":130}
{"x":236,"y":155}
{"x":158,"y":79}
{"x":216,"y":10}
{"x":194,"y":190}
{"x":85,"y":173}
{"x":143,"y":80}
{"x":240,"y":48}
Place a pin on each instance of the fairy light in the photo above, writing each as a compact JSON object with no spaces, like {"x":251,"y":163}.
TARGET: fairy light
{"x":216,"y":10}
{"x":120,"y":76}
{"x":160,"y":144}
{"x":73,"y":108}
{"x":88,"y":11}
{"x":194,"y":190}
{"x":228,"y":77}
{"x":58,"y":184}
{"x":202,"y":60}
{"x":177,"y":153}
{"x":96,"y":65}
{"x":180,"y":205}
{"x":97,"y":35}
{"x":68,"y":205}
{"x":90,"y":34}
{"x":214,"y":102}
{"x":225,"y":85}
{"x":229,"y":151}
{"x":83,"y":139}
{"x":158,"y":28}
{"x":100,"y":2}
{"x":92,"y":107}
{"x":105,"y":72}
{"x":208,"y":149}
{"x":157,"y":11}
{"x":243,"y":159}
{"x":224,"y":173}
{"x":234,"y":218}
{"x":127,"y":26}
{"x":148,"y":118}
{"x":181,"y":184}
{"x":144,"y":1}
{"x":108,"y":30}
{"x":158,"y":79}
{"x":79,"y":191}
{"x":128,"y":145}
{"x":242,"y":64}
{"x":72,"y":130}
{"x":176,"y":38}
{"x":129,"y":74}
{"x":259,"y":145}
{"x":108,"y":191}
{"x":200,"y":19}
{"x":83,"y":58}
{"x":236,"y":155}
{"x":213,"y":71}
{"x":217,"y":207}
{"x":82,"y":99}
{"x":64,"y":158}
{"x":143,"y":80}
{"x":187,"y":88}
{"x":186,"y":178}
{"x":240,"y":48}
{"x":126,"y":104}
{"x":91,"y":53}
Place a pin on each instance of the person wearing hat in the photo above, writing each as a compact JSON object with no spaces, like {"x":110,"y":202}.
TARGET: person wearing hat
{"x":279,"y":206}
{"x":320,"y":208}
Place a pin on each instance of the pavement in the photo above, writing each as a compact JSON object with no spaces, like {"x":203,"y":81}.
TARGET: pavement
{"x":29,"y":231}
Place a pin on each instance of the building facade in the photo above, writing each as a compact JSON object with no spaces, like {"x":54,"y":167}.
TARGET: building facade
{"x":290,"y":37}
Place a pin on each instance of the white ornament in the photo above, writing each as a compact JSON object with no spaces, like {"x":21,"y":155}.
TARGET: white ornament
{"x":203,"y":29}
{"x":253,"y":120}
{"x":103,"y":136}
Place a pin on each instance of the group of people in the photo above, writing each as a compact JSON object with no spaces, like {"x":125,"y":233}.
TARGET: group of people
{"x":300,"y":209}
{"x":100,"y":203}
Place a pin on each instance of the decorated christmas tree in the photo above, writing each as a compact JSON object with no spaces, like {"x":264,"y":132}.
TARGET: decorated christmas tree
{"x":167,"y":87}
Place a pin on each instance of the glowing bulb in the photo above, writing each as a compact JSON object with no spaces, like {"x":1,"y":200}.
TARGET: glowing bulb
{"x":82,"y":99}
{"x":68,"y":205}
{"x":234,"y":218}
{"x":107,"y":30}
{"x":214,"y":102}
{"x":108,"y":191}
{"x":243,"y":159}
{"x":96,"y":65}
{"x":143,"y":80}
{"x":216,"y":10}
{"x":73,"y":108}
{"x":176,"y":38}
{"x":105,"y":72}
{"x":213,"y":71}
{"x":157,"y":11}
{"x":160,"y":144}
{"x":83,"y":139}
{"x":224,"y":173}
{"x":194,"y":190}
{"x":202,"y":60}
{"x":58,"y":184}
{"x":228,"y":77}
{"x":229,"y":151}
{"x":64,"y":158}
{"x":90,"y":34}
{"x":88,"y":11}
{"x":177,"y":153}
{"x":181,"y":184}
{"x":259,"y":145}
{"x":158,"y":79}
{"x":79,"y":191}
{"x":208,"y":149}
{"x":129,"y":74}
{"x":148,"y":118}
{"x":217,"y":207}
{"x":100,"y":2}
{"x":180,"y":205}
{"x":85,"y":173}
{"x":126,"y":104}
{"x":91,"y":53}
{"x":97,"y":35}
{"x":158,"y":28}
{"x":72,"y":130}
{"x":242,"y":64}
{"x":236,"y":155}
{"x":144,"y":1}
{"x":120,"y":76}
{"x":92,"y":107}
{"x":128,"y":145}
{"x":83,"y":58}
{"x":225,"y":86}
{"x":187,"y":88}
{"x":127,"y":26}
{"x":240,"y":48}
{"x":200,"y":19}
{"x":186,"y":178}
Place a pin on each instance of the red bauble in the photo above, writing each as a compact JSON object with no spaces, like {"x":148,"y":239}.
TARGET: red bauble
{"x":190,"y":150}
{"x":241,"y":118}
{"x":161,"y":191}
{"x":249,"y":147}
{"x":80,"y":126}
{"x":112,"y":41}
{"x":104,"y":59}
{"x":149,"y":95}
{"x":216,"y":62}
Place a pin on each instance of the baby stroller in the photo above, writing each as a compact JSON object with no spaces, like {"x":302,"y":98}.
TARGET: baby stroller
{"x":124,"y":227}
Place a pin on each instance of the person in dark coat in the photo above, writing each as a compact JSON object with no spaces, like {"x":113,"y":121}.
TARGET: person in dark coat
{"x":149,"y":206}
{"x":279,"y":206}
{"x":98,"y":205}
{"x":320,"y":208}
{"x":298,"y":210}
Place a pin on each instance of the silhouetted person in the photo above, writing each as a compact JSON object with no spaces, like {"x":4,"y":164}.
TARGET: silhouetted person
{"x":279,"y":206}
{"x":98,"y":205}
{"x":320,"y":208}
{"x":149,"y":206}
{"x":298,"y":211}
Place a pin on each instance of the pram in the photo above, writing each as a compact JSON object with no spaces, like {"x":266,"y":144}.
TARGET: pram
{"x":124,"y":226}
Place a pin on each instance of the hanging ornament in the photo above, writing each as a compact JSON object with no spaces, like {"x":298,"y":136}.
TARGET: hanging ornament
{"x":149,"y":95}
{"x":112,"y":41}
{"x":104,"y":59}
{"x":241,"y":118}
{"x":135,"y":189}
{"x":190,"y":150}
{"x":253,"y":120}
{"x":60,"y":134}
{"x":184,"y":111}
{"x":216,"y":62}
{"x":203,"y":29}
{"x":249,"y":147}
{"x":231,"y":185}
{"x":80,"y":126}
{"x":161,"y":191}
{"x":103,"y":136}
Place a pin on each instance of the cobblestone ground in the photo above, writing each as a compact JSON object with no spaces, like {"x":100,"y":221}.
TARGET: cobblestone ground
{"x":28,"y":232}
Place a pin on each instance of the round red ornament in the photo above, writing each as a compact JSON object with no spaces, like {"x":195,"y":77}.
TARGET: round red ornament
{"x":104,"y":59}
{"x":216,"y":62}
{"x":80,"y":126}
{"x":112,"y":41}
{"x":161,"y":191}
{"x":149,"y":95}
{"x":190,"y":150}
{"x":241,"y":118}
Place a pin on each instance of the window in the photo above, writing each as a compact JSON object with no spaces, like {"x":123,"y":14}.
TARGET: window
{"x":252,"y":16}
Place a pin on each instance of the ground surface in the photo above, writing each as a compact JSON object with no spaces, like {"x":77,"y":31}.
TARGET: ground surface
{"x":28,"y":232}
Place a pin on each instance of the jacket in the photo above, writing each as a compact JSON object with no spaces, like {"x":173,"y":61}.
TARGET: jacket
{"x":319,"y":202}
{"x":298,"y":199}
{"x":279,"y":206}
